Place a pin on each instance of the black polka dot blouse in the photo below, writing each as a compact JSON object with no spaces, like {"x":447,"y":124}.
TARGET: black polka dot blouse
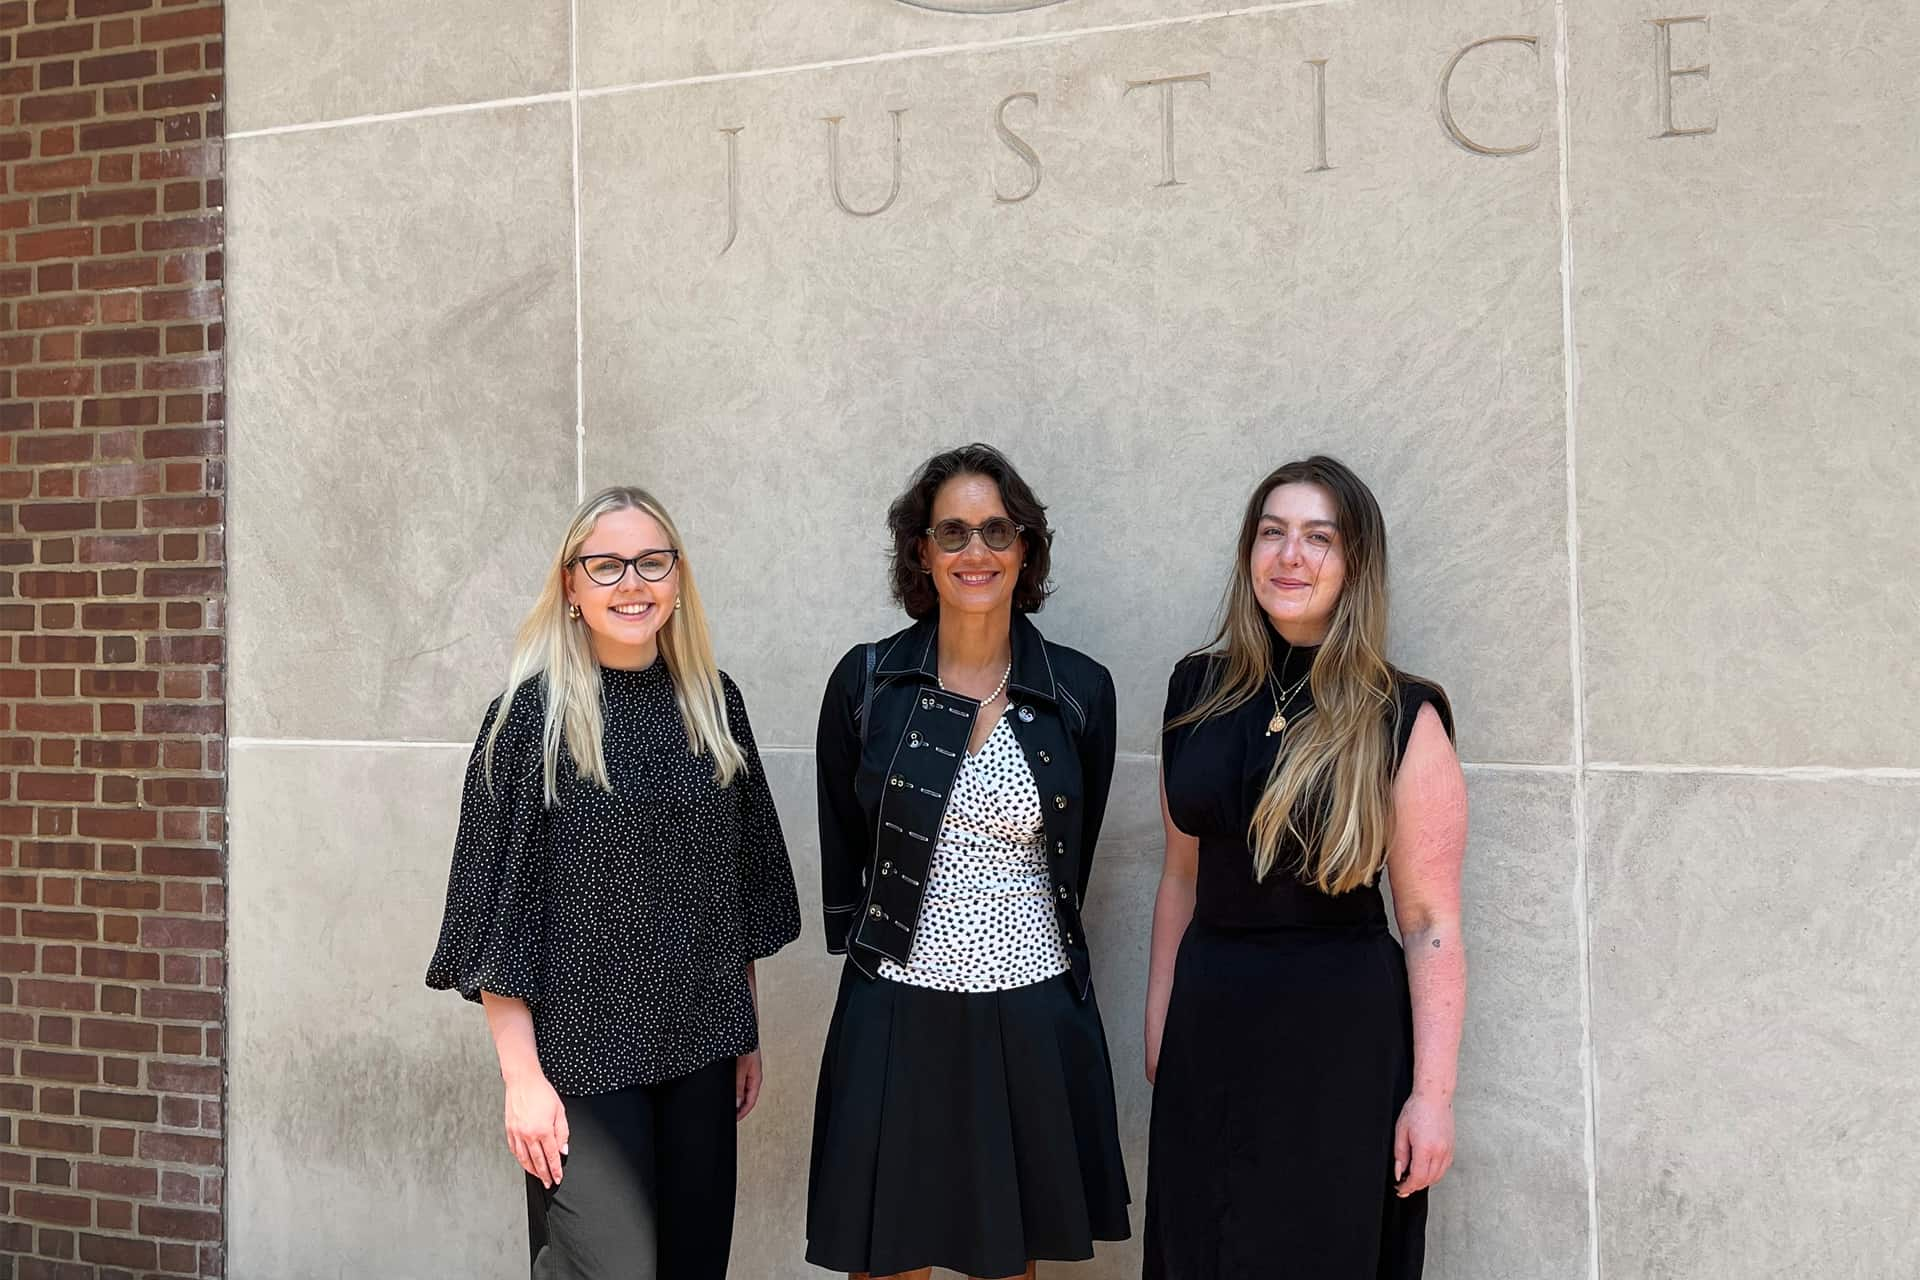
{"x":987,"y":921}
{"x":625,"y":920}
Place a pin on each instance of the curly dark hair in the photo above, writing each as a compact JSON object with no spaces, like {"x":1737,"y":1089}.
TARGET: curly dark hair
{"x":912,"y":512}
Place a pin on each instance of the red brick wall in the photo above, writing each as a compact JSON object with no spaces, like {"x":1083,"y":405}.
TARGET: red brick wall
{"x":112,"y":756}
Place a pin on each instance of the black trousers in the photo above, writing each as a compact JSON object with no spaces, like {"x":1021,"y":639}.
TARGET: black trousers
{"x":647,"y":1187}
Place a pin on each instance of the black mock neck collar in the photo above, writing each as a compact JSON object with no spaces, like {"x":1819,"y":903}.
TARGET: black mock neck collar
{"x":1290,"y":661}
{"x":647,"y":677}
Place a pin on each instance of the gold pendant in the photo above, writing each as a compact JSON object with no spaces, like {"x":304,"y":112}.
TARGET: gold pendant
{"x":1276,"y":725}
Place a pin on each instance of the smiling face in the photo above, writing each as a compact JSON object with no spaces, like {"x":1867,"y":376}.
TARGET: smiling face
{"x":1298,"y":564}
{"x":976,"y":578}
{"x":625,"y":618}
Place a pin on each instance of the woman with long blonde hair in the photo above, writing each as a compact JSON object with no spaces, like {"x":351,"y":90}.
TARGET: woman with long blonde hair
{"x":618,"y":869}
{"x":1303,"y":1063}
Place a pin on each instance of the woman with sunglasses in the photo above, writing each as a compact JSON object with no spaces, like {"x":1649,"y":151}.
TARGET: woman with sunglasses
{"x":618,"y":869}
{"x":965,"y":1116}
{"x":1302,"y":1061}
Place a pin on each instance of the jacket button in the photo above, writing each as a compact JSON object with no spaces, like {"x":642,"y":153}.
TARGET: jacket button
{"x":1069,"y":938}
{"x":1060,"y":802}
{"x":886,"y":868}
{"x":926,"y":704}
{"x":1025,"y":714}
{"x":1059,"y":848}
{"x":896,"y":781}
{"x":1063,"y":893}
{"x":913,"y":739}
{"x":1045,"y":758}
{"x":874,"y":911}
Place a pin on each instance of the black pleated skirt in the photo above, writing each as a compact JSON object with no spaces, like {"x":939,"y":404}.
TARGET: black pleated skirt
{"x":1286,"y":1058}
{"x":965,"y":1130}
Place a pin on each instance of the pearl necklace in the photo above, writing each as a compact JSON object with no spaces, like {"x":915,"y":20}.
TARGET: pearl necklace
{"x":990,"y":697}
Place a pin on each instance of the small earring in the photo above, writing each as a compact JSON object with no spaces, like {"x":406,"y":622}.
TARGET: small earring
{"x":573,"y":611}
{"x":676,"y":604}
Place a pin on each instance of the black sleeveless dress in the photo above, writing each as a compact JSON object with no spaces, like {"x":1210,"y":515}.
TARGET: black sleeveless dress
{"x":1288,"y":1047}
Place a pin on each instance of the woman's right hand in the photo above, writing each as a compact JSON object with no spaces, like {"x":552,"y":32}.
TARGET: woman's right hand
{"x":536,"y":1127}
{"x":1153,"y":1047}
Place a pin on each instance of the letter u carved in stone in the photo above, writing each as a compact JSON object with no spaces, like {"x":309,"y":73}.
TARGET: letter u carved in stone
{"x":833,"y":167}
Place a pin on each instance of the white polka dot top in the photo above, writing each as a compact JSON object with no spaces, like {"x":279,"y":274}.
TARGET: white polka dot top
{"x":987,"y":921}
{"x":625,"y":920}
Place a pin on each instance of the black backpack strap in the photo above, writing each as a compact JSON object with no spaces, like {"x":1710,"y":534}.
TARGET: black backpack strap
{"x":866,"y":689}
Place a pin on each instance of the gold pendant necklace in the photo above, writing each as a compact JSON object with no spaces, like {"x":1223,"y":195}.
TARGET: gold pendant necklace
{"x":1279,"y":722}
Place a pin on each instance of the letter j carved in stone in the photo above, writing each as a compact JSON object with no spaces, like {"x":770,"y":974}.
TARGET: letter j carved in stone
{"x":833,"y":167}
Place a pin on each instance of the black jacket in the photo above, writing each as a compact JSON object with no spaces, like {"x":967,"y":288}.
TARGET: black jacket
{"x":883,"y":793}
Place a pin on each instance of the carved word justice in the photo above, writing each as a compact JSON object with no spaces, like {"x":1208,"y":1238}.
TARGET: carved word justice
{"x":1167,"y":87}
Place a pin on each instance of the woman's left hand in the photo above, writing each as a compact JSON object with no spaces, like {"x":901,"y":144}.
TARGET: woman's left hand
{"x":1422,"y":1143}
{"x":748,"y":1071}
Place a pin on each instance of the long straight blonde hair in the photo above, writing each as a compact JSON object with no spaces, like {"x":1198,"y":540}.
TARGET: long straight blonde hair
{"x":558,"y":648}
{"x":1331,"y":790}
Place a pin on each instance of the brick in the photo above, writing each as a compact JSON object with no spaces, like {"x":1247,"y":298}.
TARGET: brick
{"x":39,"y":1135}
{"x":162,"y":860}
{"x":183,"y":1006}
{"x":42,"y":993}
{"x":50,"y":42}
{"x":177,"y":1224}
{"x":179,"y":1077}
{"x":42,"y":1206}
{"x":56,"y":786}
{"x":131,"y":411}
{"x":135,"y":65}
{"x":73,"y":1067}
{"x":119,"y":273}
{"x":37,"y":313}
{"x":50,"y":649}
{"x":55,"y":175}
{"x":116,"y":1179}
{"x":53,"y":855}
{"x":115,"y":1034}
{"x":181,"y":26}
{"x":35,"y":383}
{"x":161,"y":718}
{"x":179,"y":162}
{"x":118,"y":824}
{"x":125,"y":966}
{"x":119,"y":1251}
{"x":182,"y":304}
{"x":179,"y":1148}
{"x":182,"y":442}
{"x":39,"y":450}
{"x":176,"y":513}
{"x":162,"y":583}
{"x":127,"y":202}
{"x":131,"y":1107}
{"x":55,"y":107}
{"x":101,"y":8}
{"x":60,"y":924}
{"x":120,"y":895}
{"x":118,"y":133}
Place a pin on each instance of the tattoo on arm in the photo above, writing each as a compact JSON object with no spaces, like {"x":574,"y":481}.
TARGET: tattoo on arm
{"x":1436,"y":944}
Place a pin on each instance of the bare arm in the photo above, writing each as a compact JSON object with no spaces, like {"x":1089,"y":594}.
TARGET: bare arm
{"x":749,"y":1069}
{"x":1424,"y":862}
{"x":1172,"y":912}
{"x":536,"y":1119}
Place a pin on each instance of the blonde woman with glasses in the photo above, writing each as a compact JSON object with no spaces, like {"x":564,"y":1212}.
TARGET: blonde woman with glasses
{"x":618,"y":869}
{"x":1302,"y":1062}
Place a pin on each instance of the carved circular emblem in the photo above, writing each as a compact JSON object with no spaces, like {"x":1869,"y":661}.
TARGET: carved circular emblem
{"x":979,"y":6}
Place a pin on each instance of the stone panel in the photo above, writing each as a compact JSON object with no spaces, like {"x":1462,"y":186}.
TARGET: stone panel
{"x":299,"y":63}
{"x":364,"y":1110}
{"x":1747,"y":311}
{"x":1758,"y":1080}
{"x":402,"y":409}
